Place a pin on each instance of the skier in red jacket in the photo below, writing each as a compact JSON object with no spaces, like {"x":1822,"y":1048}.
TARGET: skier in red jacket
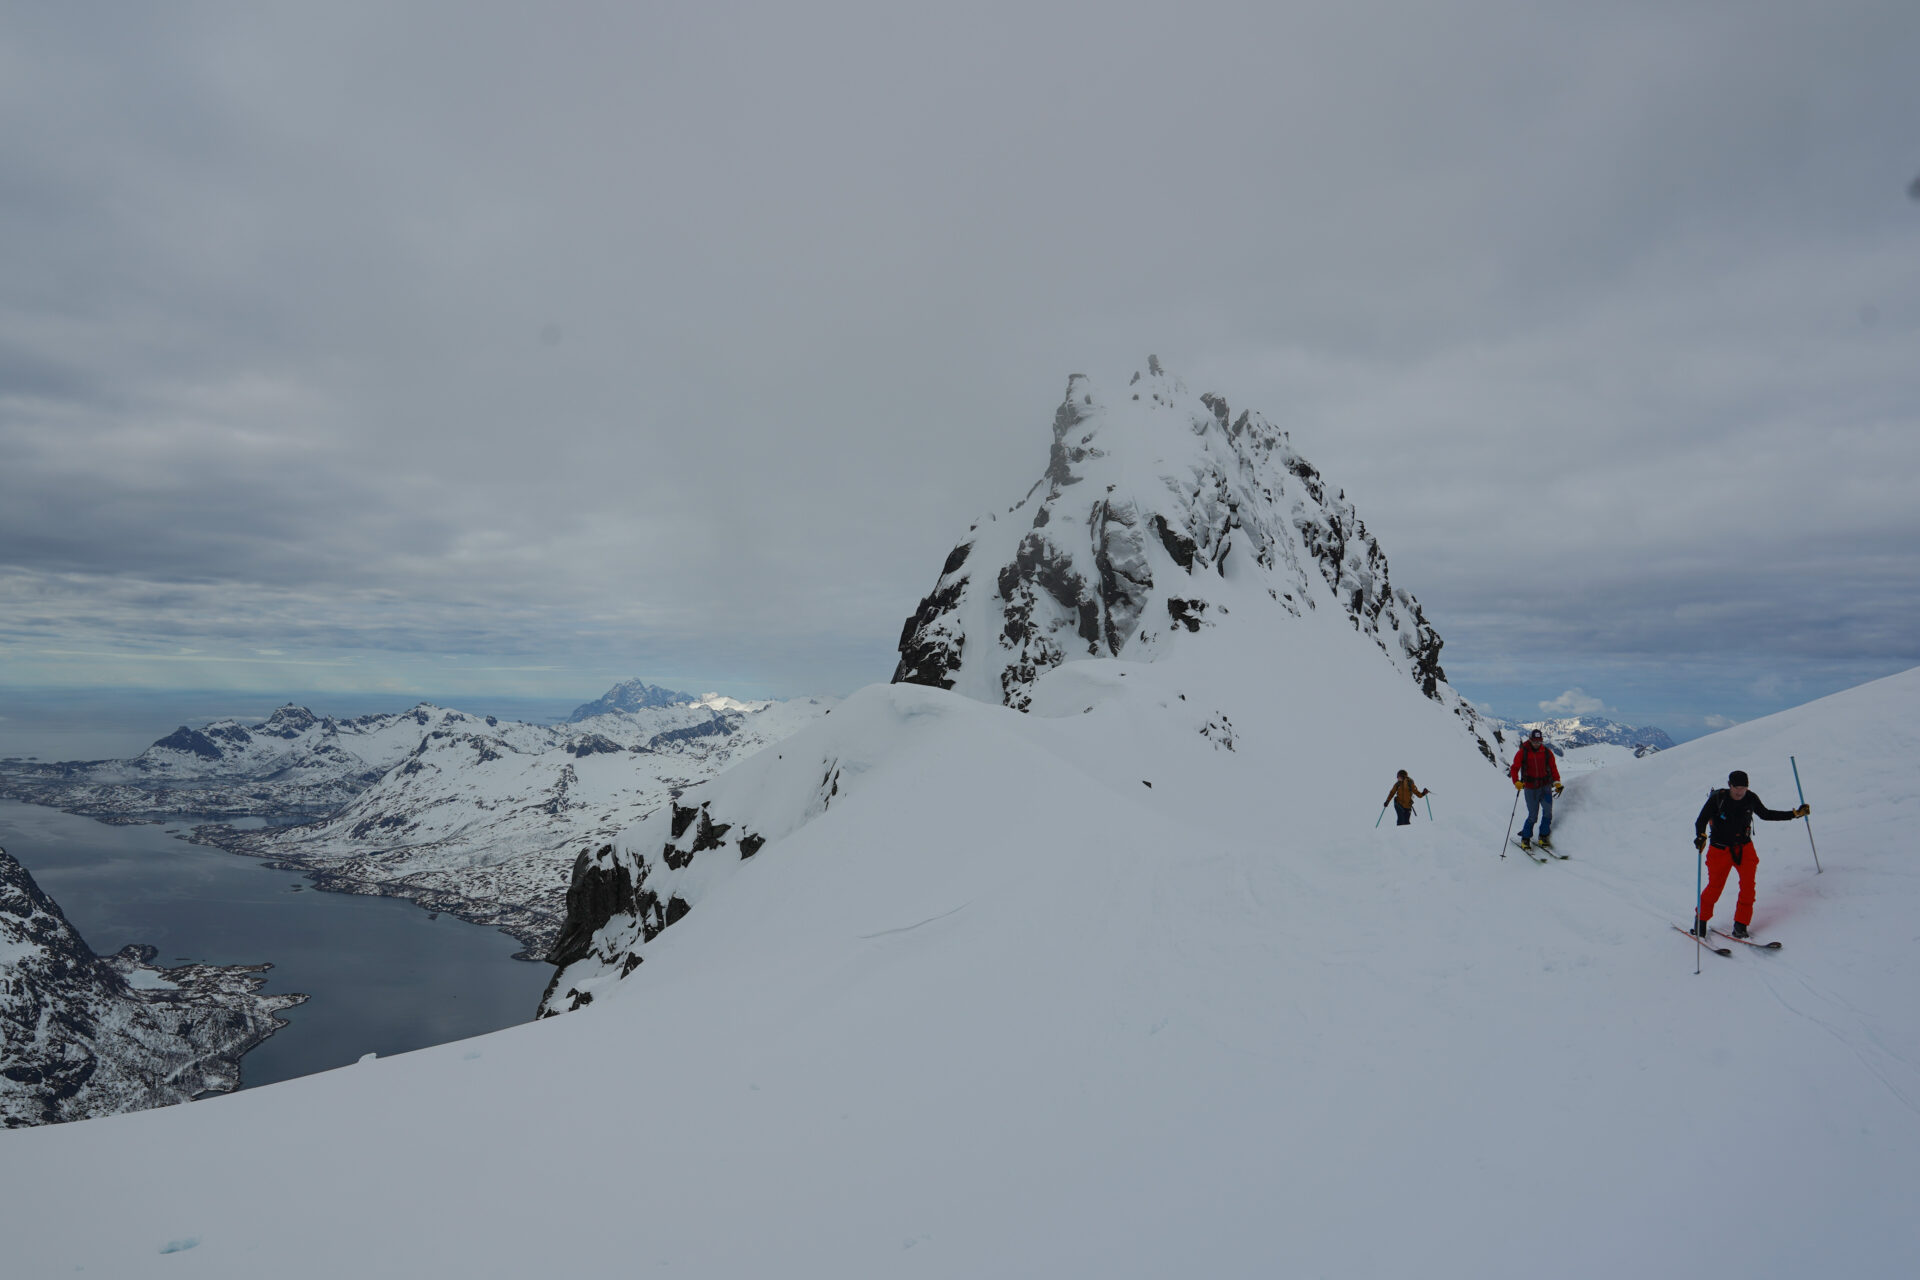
{"x":1534,"y":770}
{"x":1731,"y":811}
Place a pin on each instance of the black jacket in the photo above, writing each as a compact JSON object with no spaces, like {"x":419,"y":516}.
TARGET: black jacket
{"x":1732,"y":819}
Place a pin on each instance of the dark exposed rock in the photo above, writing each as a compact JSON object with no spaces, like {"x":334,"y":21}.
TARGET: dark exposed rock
{"x":714,"y":727}
{"x":927,"y":654}
{"x":601,"y":887}
{"x":1186,"y":613}
{"x":1178,"y":545}
{"x":185,"y":739}
{"x":711,"y":832}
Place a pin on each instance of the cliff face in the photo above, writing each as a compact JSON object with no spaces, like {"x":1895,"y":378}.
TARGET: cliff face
{"x":1150,"y":500}
{"x":89,"y":1035}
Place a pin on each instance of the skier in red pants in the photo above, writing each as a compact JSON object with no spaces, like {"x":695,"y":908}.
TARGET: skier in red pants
{"x":1731,"y":811}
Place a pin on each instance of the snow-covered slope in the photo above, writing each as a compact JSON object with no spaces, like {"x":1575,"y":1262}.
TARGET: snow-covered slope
{"x":92,"y":1035}
{"x":1126,"y":984}
{"x":1001,"y":1008}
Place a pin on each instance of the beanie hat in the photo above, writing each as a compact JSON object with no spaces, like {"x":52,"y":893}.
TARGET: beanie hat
{"x":1738,"y":778}
{"x":1536,"y":734}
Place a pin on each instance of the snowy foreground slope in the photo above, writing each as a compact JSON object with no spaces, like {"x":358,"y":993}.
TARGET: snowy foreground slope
{"x":1106,"y":970}
{"x":1002,"y":1009}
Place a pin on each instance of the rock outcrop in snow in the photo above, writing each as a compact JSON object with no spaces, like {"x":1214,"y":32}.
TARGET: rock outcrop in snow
{"x":89,"y":1035}
{"x":1149,"y":501}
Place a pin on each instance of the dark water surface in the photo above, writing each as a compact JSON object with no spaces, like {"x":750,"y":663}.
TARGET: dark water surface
{"x":383,"y":976}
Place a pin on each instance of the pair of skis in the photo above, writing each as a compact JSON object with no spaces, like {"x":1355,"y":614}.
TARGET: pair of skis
{"x":1727,"y":951}
{"x":1535,"y":850}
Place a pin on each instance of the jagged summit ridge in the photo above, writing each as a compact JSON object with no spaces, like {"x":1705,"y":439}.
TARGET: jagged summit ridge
{"x":1151,"y":503}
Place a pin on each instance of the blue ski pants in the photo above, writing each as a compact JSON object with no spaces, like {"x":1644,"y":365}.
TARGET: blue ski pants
{"x":1539,"y":805}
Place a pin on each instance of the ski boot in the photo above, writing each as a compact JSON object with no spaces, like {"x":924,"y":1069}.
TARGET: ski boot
{"x":1739,"y":930}
{"x":1545,"y":843}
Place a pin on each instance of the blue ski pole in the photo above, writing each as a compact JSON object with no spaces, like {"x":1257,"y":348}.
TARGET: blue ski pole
{"x":1383,"y":813}
{"x":1429,"y":808}
{"x":1808,"y":821}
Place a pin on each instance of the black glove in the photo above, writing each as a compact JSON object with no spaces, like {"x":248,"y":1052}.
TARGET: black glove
{"x":1700,"y":844}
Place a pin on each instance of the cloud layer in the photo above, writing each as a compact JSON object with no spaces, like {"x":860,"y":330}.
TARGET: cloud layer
{"x":608,"y":341}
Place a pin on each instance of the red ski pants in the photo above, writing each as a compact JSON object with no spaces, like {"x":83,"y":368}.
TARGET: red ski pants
{"x":1719,"y":863}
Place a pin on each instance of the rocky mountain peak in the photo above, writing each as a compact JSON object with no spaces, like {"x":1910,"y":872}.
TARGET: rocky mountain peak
{"x":1157,"y":507}
{"x":629,"y":695}
{"x":289,"y":721}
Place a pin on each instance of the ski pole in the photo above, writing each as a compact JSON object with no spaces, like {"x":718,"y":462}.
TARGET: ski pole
{"x":1429,"y":800}
{"x":1809,"y":820}
{"x":1383,"y":813}
{"x":1510,"y":817}
{"x":1699,"y":857}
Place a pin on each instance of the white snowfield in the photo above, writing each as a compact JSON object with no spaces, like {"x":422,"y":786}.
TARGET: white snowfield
{"x":1001,"y":1008}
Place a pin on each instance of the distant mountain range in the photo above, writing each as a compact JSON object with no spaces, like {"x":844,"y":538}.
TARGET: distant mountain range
{"x":1570,"y":732}
{"x":472,"y":815}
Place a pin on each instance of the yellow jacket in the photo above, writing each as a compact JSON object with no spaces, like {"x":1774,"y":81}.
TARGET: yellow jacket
{"x":1403,"y":793}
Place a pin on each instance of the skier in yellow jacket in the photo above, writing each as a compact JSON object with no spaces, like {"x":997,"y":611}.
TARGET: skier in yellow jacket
{"x":1401,"y":798}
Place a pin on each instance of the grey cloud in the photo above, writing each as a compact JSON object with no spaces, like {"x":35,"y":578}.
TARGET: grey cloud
{"x":459,"y":328}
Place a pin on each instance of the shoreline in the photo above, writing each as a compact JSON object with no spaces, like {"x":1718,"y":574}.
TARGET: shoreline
{"x":208,"y":823}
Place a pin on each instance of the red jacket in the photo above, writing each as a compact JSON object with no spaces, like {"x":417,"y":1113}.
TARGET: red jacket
{"x":1535,"y":766}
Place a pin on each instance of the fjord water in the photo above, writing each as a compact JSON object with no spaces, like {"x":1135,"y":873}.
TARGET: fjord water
{"x":382,"y":975}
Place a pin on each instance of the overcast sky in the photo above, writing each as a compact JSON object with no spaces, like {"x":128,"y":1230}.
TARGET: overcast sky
{"x":518,"y":349}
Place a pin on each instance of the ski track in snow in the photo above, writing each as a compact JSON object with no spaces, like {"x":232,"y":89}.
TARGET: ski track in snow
{"x":909,"y":928}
